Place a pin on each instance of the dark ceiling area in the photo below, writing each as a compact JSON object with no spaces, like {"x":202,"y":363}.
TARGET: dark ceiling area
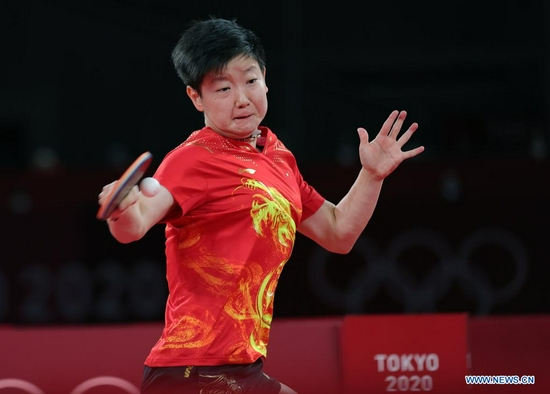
{"x":91,"y":80}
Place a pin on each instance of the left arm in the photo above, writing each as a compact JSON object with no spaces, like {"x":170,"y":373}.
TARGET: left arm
{"x":337,"y":227}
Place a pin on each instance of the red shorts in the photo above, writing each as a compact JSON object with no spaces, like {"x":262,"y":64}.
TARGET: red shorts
{"x":235,"y":378}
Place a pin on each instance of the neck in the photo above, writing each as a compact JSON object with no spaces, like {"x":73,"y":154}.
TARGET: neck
{"x":251,"y":137}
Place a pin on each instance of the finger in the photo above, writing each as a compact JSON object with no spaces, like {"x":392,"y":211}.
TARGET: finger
{"x":363,"y":135}
{"x":104,"y":192}
{"x":398,"y":124}
{"x":130,"y":199}
{"x":406,"y":136}
{"x":413,"y":152}
{"x":386,"y":127}
{"x":105,"y":189}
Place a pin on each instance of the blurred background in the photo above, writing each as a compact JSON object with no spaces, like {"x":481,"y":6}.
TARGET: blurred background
{"x":87,"y":86}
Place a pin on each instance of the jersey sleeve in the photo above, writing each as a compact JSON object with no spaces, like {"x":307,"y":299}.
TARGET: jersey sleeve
{"x":180,"y":172}
{"x":311,"y":199}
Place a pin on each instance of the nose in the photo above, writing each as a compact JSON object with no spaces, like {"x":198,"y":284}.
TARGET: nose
{"x":242,"y":99}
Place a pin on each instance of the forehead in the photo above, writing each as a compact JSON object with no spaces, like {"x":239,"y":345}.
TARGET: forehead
{"x":236,"y":66}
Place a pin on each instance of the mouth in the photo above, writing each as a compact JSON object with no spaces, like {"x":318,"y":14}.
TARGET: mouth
{"x":242,"y":117}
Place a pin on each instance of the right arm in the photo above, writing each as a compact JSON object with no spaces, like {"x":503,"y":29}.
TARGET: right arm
{"x":136,"y":214}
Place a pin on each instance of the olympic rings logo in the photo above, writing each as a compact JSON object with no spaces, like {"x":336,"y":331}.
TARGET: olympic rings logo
{"x":397,"y":279}
{"x":83,"y":387}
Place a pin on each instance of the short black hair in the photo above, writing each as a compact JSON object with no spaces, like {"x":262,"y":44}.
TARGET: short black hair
{"x":209,"y":45}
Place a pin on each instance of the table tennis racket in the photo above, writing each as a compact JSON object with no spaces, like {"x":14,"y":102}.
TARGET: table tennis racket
{"x":124,"y":184}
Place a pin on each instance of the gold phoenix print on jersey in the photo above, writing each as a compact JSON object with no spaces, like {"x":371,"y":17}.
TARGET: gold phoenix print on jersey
{"x":270,"y":210}
{"x":247,"y":287}
{"x":273,"y":210}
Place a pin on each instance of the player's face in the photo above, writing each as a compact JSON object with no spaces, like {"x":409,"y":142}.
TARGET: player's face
{"x":234,"y":102}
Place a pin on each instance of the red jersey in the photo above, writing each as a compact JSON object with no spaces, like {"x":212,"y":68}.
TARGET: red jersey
{"x":226,"y":248}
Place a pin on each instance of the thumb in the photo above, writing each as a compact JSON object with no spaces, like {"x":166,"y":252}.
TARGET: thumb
{"x":363,"y":135}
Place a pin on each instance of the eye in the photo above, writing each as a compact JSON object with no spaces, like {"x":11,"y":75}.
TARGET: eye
{"x":224,"y":89}
{"x":252,"y":81}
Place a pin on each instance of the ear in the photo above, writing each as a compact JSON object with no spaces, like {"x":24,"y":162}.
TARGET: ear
{"x":195,"y":98}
